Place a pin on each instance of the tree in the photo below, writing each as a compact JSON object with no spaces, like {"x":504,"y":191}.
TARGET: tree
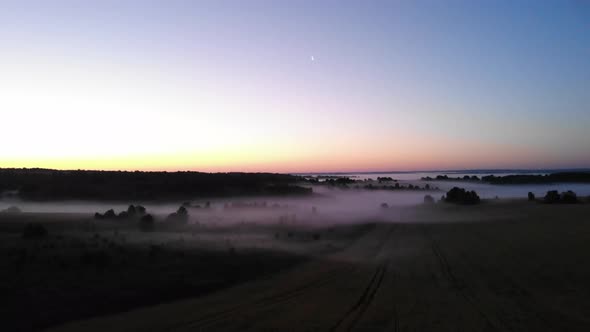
{"x":182,"y":211}
{"x":180,"y":216}
{"x":552,"y":196}
{"x":569,"y":197}
{"x":34,"y":231}
{"x":428,"y":199}
{"x":131,"y":211}
{"x":462,"y":196}
{"x":140,"y":210}
{"x":146,"y":223}
{"x":110,"y":214}
{"x":531,"y":196}
{"x":12,"y":209}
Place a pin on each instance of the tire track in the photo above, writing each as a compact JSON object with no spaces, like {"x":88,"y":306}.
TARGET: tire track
{"x":508,"y":279}
{"x":458,"y":285}
{"x":358,"y":309}
{"x":280,"y":298}
{"x":356,"y":312}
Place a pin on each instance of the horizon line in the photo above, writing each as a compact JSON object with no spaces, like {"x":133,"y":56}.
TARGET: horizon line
{"x":467,"y":170}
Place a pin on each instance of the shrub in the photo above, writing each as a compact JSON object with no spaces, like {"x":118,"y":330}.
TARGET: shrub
{"x":131,"y":211}
{"x":110,"y":214}
{"x":12,"y":209}
{"x":182,"y":211}
{"x":146,"y":223}
{"x":180,"y":216}
{"x":154,"y":250}
{"x":428,"y":199}
{"x":100,"y":259}
{"x":569,"y":197}
{"x":462,"y":196}
{"x":531,"y":196}
{"x":385,"y":179}
{"x":140,"y":210}
{"x":34,"y":231}
{"x":552,"y":196}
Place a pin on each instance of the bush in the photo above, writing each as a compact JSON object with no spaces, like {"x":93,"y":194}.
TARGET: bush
{"x":131,"y":211}
{"x":12,"y":209}
{"x":182,"y":211}
{"x":180,"y":216}
{"x":531,"y":196}
{"x":428,"y":199}
{"x":34,"y":231}
{"x":146,"y":223}
{"x":569,"y":197}
{"x":385,"y":179}
{"x":99,"y":259}
{"x":552,"y":196}
{"x":462,"y":196}
{"x":140,"y":210}
{"x":110,"y":214}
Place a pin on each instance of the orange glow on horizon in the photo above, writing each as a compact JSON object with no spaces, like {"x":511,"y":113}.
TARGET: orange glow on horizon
{"x":327,"y":158}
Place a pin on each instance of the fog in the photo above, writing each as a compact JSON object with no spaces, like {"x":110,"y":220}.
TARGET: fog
{"x":485,"y":190}
{"x":328,"y":205}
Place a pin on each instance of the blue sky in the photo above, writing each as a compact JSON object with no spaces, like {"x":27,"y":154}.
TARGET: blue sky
{"x":230,"y":85}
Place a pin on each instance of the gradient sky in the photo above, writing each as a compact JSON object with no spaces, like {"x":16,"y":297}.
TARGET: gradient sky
{"x":231,"y":85}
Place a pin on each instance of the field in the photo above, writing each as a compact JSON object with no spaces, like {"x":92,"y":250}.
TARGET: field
{"x":499,"y":266}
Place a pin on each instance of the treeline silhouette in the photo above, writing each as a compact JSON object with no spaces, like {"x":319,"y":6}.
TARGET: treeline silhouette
{"x":570,"y":177}
{"x":45,"y":184}
{"x":547,"y":178}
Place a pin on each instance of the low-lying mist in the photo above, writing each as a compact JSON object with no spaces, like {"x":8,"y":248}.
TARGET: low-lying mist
{"x":328,"y":205}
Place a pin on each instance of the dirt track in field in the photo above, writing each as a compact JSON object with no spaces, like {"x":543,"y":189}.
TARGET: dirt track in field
{"x":525,"y":271}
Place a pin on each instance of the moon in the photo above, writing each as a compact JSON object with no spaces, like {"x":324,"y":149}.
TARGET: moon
{"x":312,"y":58}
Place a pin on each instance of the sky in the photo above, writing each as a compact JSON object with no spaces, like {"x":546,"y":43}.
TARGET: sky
{"x":295,"y":86}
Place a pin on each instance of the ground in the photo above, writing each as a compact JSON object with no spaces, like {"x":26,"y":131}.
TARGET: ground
{"x":499,"y":266}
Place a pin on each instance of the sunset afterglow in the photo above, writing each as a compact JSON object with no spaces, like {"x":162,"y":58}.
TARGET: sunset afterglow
{"x":294,"y":86}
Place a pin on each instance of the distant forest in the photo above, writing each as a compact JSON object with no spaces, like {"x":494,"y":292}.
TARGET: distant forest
{"x":568,"y":177}
{"x":45,"y":184}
